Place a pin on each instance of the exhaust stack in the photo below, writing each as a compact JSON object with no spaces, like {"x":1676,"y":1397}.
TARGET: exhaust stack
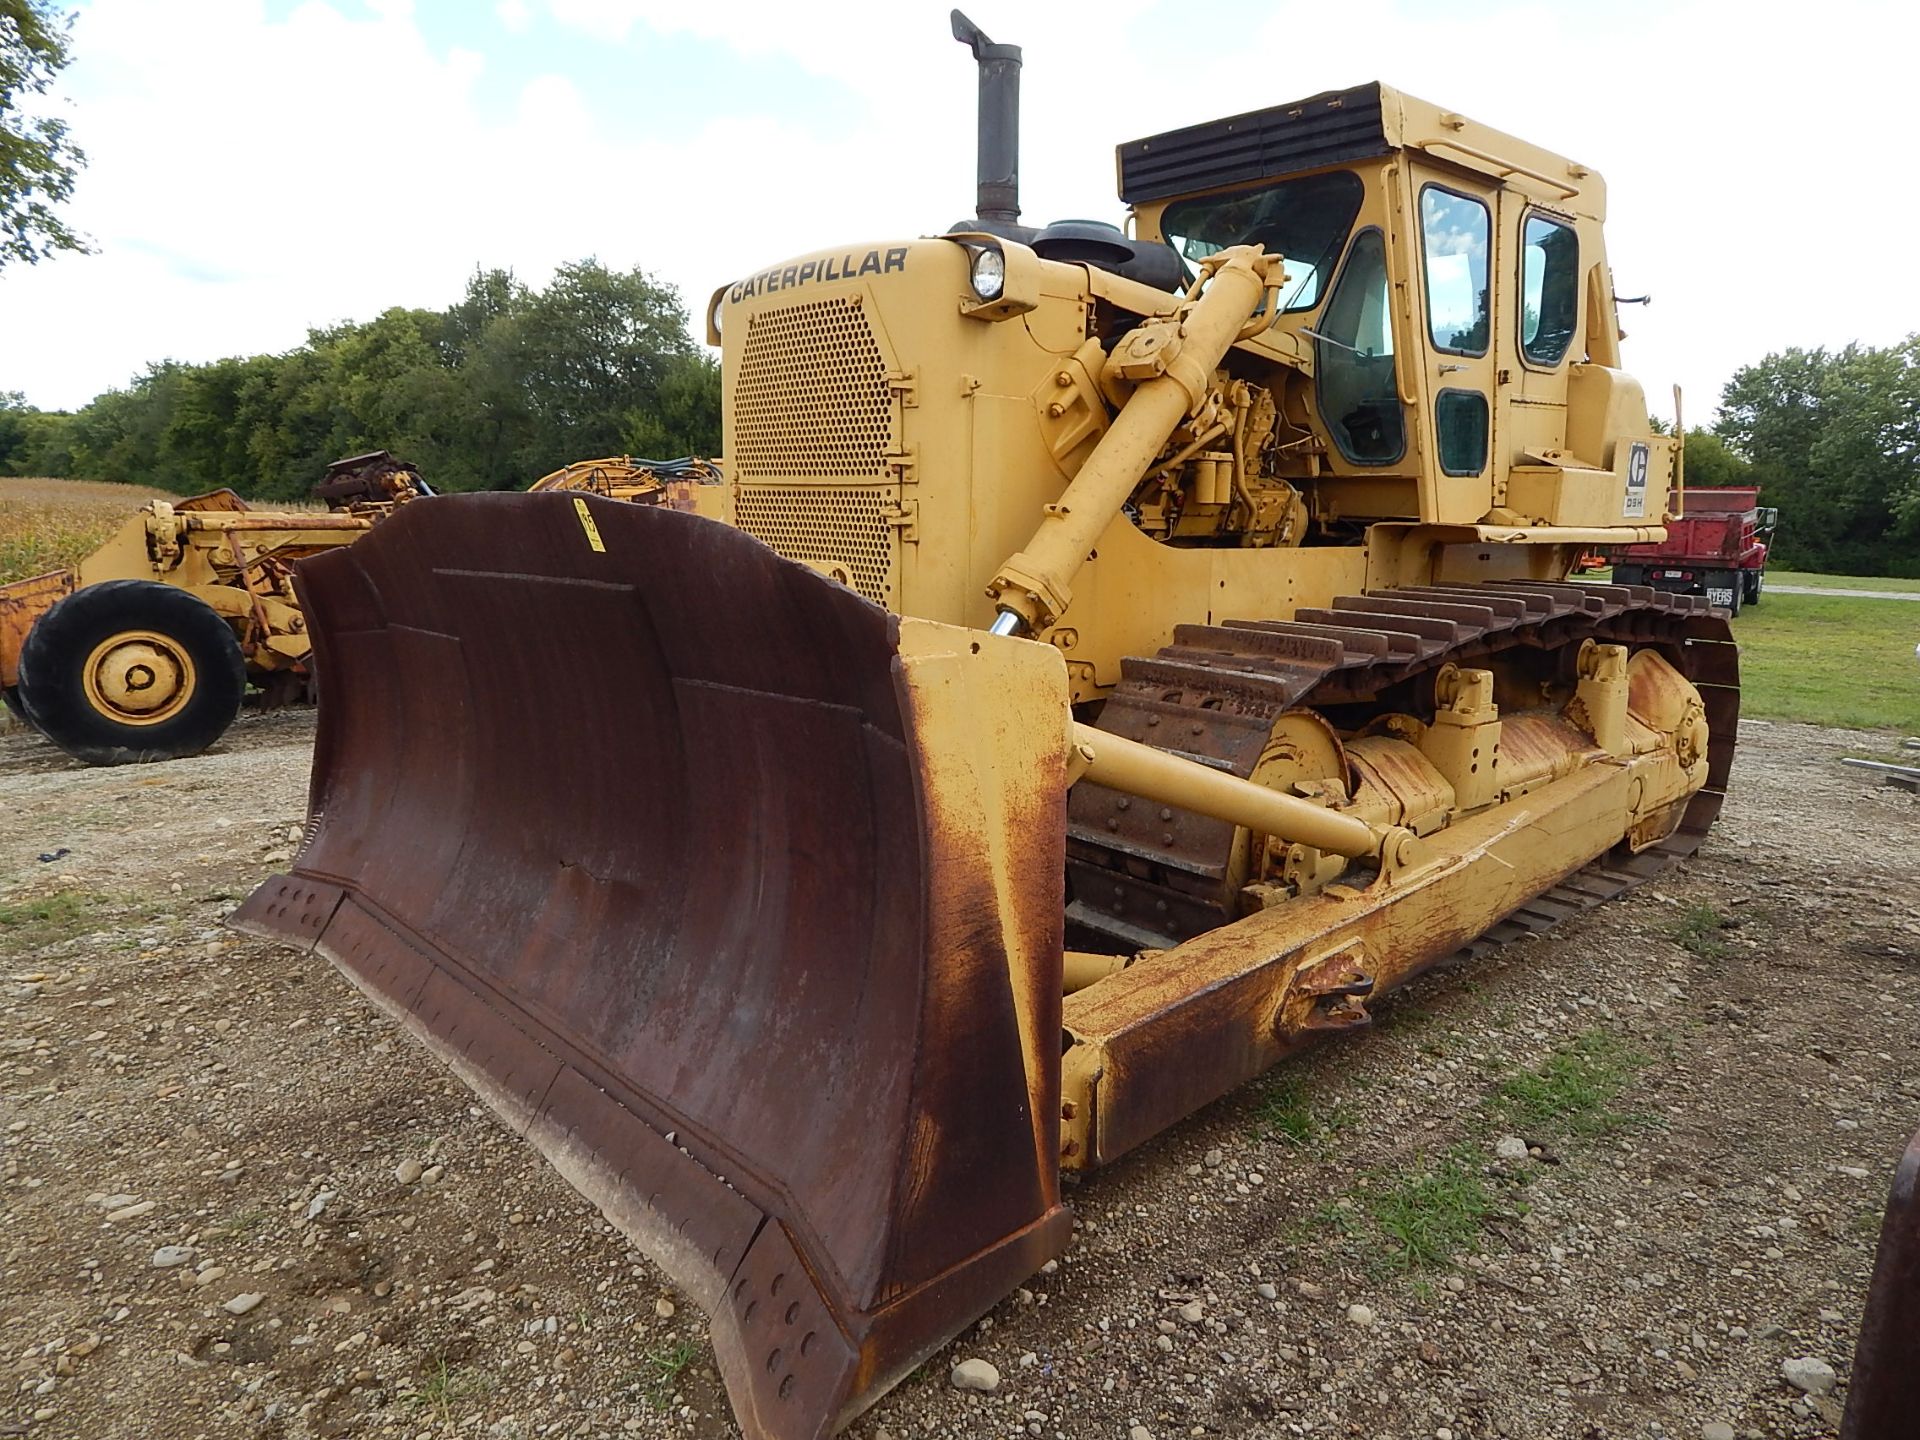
{"x":997,"y":204}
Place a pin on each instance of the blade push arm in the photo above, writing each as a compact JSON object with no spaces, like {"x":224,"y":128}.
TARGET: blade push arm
{"x":1173,"y":359}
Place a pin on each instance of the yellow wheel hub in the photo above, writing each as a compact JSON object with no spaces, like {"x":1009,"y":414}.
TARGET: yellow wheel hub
{"x":139,"y":677}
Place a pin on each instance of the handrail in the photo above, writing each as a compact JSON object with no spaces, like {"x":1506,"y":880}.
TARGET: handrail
{"x":1507,"y":167}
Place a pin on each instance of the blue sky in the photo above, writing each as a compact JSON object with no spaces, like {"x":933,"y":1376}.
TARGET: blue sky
{"x":263,"y":166}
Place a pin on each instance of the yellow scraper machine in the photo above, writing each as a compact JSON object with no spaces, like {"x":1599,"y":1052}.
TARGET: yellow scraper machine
{"x":1106,"y":661}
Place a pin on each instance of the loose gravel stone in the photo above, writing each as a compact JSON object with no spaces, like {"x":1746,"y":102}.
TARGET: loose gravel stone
{"x":168,"y":1256}
{"x":241,"y":1304}
{"x":1360,"y":1314}
{"x":1809,"y":1373}
{"x":408,"y":1171}
{"x":976,"y":1374}
{"x":1510,"y":1147}
{"x":1628,"y":1282}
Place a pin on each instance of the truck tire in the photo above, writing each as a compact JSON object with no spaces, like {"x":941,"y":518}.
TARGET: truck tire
{"x":128,"y":671}
{"x":1754,"y":581}
{"x":1724,"y":589}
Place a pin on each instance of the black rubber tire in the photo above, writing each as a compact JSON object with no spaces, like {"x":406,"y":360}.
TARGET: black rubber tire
{"x":1730,"y":581}
{"x":53,"y":688}
{"x":10,"y":697}
{"x":1756,"y":582}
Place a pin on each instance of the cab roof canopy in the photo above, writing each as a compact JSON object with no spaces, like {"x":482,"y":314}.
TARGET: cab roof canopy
{"x":1338,"y":127}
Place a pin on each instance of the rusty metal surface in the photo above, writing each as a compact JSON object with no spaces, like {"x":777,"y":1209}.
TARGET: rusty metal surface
{"x":704,"y":944}
{"x":1144,"y":876}
{"x":22,"y":603}
{"x":1883,"y":1396}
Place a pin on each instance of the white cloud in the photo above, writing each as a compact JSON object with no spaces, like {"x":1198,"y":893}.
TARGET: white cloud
{"x":253,"y":176}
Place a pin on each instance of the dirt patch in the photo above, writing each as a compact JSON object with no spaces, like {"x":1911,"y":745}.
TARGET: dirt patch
{"x":1708,"y":1083}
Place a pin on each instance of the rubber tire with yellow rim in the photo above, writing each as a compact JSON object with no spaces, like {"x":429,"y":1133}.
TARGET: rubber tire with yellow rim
{"x":53,"y":688}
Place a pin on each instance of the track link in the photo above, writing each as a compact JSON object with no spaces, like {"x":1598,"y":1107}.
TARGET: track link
{"x":1143,"y":875}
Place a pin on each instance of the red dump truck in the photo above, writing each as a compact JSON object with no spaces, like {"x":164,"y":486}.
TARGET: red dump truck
{"x":1718,"y":549}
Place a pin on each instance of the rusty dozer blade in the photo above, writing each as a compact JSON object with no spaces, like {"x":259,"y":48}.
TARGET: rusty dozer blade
{"x":736,"y":895}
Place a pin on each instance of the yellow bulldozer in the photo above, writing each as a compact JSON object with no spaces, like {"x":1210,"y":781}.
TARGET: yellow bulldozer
{"x":1111,"y":660}
{"x":626,"y":477}
{"x":146,"y":648}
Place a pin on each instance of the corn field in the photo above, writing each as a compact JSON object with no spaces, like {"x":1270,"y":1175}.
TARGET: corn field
{"x":45,"y":524}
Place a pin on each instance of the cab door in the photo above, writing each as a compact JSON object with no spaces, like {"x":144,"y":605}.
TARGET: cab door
{"x":1538,"y":331}
{"x":1458,"y":265}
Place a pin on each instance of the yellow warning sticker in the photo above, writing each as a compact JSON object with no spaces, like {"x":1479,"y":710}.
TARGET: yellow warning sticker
{"x":586,"y":524}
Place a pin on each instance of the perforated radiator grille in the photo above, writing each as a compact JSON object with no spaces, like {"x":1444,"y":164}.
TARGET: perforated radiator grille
{"x":843,"y":528}
{"x":811,"y":400}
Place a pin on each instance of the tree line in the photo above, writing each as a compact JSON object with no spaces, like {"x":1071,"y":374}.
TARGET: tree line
{"x":494,"y":391}
{"x":1832,"y":437}
{"x":511,"y":382}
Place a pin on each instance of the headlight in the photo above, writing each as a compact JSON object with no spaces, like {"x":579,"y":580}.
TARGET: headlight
{"x":989,"y":274}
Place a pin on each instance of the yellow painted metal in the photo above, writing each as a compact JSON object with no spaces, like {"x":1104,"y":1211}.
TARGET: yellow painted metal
{"x":22,"y":603}
{"x":1093,"y":461}
{"x":237,"y":560}
{"x":1171,"y":361}
{"x":138,"y":677}
{"x":1155,"y":774}
{"x":1081,"y":968}
{"x":622,"y":477}
{"x":887,"y":427}
{"x":1243,"y":987}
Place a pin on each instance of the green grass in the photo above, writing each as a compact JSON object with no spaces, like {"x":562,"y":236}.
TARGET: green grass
{"x":1285,"y":1112}
{"x":444,"y":1387}
{"x":660,"y":1370}
{"x":1698,"y":932}
{"x":1419,"y":1221}
{"x":1573,"y":1090}
{"x":1840,"y":582}
{"x":25,"y":924}
{"x":239,"y":1223}
{"x":1828,"y":660}
{"x":1430,"y":1216}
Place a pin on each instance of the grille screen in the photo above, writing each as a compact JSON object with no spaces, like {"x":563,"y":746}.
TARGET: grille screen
{"x":812,"y":400}
{"x":842,"y":527}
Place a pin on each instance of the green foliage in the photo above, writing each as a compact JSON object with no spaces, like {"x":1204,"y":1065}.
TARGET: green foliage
{"x":1711,"y":464}
{"x":1834,"y":438}
{"x":37,"y":160}
{"x":1573,"y":1090}
{"x":495,"y":391}
{"x":1431,"y":1215}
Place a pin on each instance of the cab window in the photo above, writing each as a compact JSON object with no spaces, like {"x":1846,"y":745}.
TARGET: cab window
{"x":1306,"y":220}
{"x":1353,"y":359}
{"x":1549,"y":289}
{"x":1456,"y":230}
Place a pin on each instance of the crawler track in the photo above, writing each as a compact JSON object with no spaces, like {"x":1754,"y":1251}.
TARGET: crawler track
{"x":1144,"y":876}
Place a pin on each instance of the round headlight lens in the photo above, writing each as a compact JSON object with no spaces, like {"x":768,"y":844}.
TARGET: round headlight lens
{"x":989,"y":274}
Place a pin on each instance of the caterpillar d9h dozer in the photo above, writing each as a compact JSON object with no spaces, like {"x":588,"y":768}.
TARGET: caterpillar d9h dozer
{"x":1105,"y":664}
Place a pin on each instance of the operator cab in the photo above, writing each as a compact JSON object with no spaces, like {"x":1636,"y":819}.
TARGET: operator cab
{"x":1449,"y":292}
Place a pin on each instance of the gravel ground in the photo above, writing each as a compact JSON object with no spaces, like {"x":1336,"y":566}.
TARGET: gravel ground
{"x":1606,"y":1183}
